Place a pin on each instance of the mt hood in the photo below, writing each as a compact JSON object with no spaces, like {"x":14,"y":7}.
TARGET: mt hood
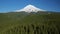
{"x":30,"y":8}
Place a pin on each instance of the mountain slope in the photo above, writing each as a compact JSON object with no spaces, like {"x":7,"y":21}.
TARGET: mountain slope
{"x":30,"y":8}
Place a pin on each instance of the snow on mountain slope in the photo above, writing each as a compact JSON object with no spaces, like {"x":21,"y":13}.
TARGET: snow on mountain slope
{"x":30,"y":8}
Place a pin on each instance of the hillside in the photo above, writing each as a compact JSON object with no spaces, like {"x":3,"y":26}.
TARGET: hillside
{"x":32,"y":23}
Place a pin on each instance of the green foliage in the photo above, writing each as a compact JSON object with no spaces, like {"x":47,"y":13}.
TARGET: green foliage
{"x":32,"y":23}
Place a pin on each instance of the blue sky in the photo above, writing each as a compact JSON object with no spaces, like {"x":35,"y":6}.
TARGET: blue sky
{"x":10,"y":5}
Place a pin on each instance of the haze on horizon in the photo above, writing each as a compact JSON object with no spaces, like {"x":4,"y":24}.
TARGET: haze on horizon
{"x":11,"y":5}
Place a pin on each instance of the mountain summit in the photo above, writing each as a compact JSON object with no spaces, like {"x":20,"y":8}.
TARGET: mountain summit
{"x":30,"y":8}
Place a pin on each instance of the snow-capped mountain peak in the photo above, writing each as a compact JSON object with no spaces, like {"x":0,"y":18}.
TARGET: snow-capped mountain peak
{"x":30,"y":8}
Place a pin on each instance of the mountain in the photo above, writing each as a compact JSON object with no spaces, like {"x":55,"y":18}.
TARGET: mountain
{"x":30,"y":20}
{"x":30,"y":8}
